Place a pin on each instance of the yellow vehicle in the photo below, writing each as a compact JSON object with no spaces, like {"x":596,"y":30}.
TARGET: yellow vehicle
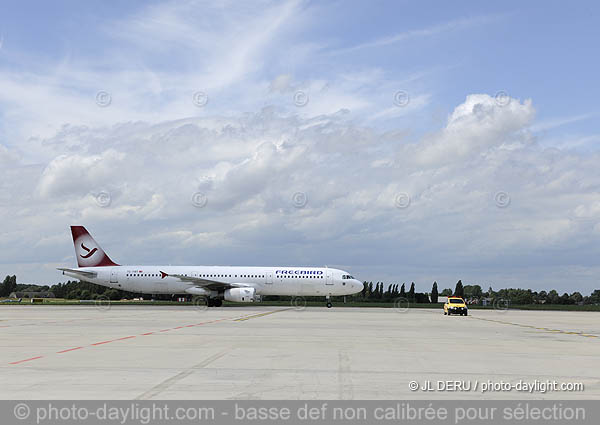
{"x":455,"y":305}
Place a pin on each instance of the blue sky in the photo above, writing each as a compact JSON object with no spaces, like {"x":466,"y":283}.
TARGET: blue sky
{"x":544,"y":51}
{"x":452,"y":147}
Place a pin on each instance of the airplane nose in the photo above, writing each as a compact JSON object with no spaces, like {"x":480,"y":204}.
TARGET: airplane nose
{"x":357,"y":286}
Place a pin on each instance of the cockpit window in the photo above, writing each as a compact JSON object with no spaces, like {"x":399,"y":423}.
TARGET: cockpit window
{"x":347,"y":276}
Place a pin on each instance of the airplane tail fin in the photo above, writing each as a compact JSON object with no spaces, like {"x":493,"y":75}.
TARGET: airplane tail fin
{"x":87,"y":251}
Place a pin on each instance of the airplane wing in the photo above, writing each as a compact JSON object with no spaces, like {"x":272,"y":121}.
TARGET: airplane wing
{"x":211,"y":285}
{"x":81,"y":273}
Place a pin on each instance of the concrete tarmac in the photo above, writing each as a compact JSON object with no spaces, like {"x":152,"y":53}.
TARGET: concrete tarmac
{"x":259,"y":352}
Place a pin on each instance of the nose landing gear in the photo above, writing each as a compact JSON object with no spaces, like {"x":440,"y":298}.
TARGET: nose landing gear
{"x":328,"y":298}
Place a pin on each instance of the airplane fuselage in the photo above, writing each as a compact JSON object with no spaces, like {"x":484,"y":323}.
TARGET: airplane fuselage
{"x":214,"y":283}
{"x":295,"y":281}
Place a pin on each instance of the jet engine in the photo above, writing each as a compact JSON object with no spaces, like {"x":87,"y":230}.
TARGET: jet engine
{"x":240,"y":295}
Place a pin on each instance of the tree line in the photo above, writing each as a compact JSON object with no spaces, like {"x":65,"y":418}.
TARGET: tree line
{"x":72,"y":289}
{"x":380,"y":293}
{"x":472,"y":293}
{"x":518,"y":296}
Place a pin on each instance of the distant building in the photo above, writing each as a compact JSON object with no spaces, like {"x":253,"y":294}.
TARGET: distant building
{"x":31,"y":294}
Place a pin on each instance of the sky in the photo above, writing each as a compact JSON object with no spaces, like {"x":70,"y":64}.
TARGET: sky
{"x":401,"y":141}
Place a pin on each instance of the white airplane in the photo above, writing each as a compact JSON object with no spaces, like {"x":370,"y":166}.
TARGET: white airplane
{"x":214,"y":283}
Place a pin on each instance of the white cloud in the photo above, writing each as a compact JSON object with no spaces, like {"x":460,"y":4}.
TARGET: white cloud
{"x":282,"y":83}
{"x":475,"y":126}
{"x":72,"y":175}
{"x":249,"y":167}
{"x":349,"y":149}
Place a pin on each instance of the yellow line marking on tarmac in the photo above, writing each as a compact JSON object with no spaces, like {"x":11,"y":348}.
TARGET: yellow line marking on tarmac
{"x":534,"y":327}
{"x":255,"y":316}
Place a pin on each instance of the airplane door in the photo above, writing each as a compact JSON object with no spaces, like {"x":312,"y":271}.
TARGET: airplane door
{"x":328,"y":278}
{"x":268,"y":277}
{"x":114,"y":275}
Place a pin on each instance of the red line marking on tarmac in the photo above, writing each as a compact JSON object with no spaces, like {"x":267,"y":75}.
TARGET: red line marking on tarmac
{"x":125,"y":337}
{"x":70,"y":349}
{"x":102,"y":342}
{"x":120,"y":339}
{"x":27,"y":360}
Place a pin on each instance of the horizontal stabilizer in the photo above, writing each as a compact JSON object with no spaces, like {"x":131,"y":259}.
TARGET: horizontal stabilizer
{"x":81,"y":273}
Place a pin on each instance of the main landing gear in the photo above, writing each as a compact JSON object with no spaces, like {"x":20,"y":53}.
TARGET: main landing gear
{"x":214,"y":302}
{"x":329,"y":305}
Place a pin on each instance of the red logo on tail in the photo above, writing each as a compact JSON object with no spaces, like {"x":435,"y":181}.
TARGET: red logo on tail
{"x":89,"y":253}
